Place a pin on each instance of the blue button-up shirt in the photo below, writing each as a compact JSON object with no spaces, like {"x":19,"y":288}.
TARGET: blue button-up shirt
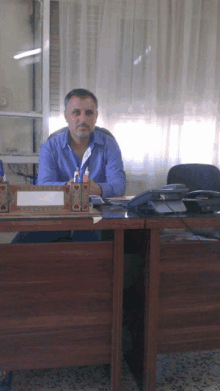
{"x":58,"y":162}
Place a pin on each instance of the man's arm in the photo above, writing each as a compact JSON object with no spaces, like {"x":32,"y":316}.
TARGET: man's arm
{"x":48,"y":172}
{"x":115,"y":183}
{"x":94,"y":188}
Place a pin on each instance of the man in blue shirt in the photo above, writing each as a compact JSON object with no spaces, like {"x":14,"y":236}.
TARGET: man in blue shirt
{"x":82,"y":145}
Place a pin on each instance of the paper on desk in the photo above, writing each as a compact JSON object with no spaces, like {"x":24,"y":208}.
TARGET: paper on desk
{"x":123,"y":198}
{"x":97,"y":219}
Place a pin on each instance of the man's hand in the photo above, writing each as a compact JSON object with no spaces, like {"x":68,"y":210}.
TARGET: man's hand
{"x":94,"y":188}
{"x":70,"y":181}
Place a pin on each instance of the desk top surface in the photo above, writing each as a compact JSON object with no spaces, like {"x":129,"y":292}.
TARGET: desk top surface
{"x":110,"y":217}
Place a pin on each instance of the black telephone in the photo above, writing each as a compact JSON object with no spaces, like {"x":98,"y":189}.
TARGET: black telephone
{"x":202,"y":201}
{"x":198,"y":194}
{"x":168,"y":199}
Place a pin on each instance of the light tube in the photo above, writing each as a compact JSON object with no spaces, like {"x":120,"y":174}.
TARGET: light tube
{"x":27,"y":54}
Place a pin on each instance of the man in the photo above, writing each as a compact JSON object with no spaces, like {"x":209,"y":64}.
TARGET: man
{"x":82,"y":145}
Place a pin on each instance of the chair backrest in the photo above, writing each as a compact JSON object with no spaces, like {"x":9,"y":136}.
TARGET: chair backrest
{"x":97,"y":128}
{"x":195,"y":176}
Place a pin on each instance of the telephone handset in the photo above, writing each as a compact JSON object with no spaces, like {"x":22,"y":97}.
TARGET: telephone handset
{"x":143,"y":198}
{"x":165,"y":200}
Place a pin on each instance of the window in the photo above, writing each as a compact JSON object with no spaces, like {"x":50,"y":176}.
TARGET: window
{"x":24,"y":55}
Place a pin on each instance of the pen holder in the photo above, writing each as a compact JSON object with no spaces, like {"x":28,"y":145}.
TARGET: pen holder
{"x":80,"y":197}
{"x":76,"y":195}
{"x":4,"y":201}
{"x":85,"y":196}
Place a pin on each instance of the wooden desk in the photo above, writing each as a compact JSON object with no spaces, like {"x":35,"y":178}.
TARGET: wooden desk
{"x":176,"y":305}
{"x":61,"y":303}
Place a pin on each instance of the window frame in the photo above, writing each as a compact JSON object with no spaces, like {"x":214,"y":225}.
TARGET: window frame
{"x":45,"y":93}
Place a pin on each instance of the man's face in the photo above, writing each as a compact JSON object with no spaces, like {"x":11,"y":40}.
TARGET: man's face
{"x":81,"y":116}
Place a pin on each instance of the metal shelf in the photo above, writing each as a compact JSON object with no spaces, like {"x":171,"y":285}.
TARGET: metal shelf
{"x":19,"y":159}
{"x":31,"y":114}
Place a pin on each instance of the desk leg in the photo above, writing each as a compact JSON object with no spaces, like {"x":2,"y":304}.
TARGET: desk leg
{"x":151,"y":313}
{"x":118,"y":269}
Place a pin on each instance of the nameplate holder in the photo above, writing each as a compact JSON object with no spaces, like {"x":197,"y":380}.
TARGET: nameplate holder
{"x":39,"y":199}
{"x":50,"y":199}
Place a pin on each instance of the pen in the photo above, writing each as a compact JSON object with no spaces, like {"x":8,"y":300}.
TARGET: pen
{"x":86,"y":175}
{"x":76,"y":175}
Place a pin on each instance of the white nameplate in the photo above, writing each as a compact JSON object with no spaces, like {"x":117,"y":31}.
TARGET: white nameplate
{"x":40,"y":198}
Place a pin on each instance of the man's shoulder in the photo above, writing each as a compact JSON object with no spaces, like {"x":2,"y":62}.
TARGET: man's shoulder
{"x":104,"y":137}
{"x":102,"y":132}
{"x":57,"y":141}
{"x":59,"y":132}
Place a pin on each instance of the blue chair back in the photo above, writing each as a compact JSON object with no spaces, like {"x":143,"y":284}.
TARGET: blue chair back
{"x":195,"y":176}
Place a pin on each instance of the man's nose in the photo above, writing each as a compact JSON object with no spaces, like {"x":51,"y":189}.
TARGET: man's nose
{"x":83,"y":116}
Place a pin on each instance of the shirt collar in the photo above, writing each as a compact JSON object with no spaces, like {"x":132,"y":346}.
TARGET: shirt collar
{"x":96,"y":138}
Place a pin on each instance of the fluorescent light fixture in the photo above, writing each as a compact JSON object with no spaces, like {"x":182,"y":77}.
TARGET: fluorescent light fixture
{"x":28,"y":53}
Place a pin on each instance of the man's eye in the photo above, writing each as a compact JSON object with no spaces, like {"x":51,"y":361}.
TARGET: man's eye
{"x":89,"y":112}
{"x":76,"y":113}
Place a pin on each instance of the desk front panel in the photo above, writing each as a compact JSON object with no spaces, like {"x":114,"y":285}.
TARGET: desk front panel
{"x":56,"y":304}
{"x":189,"y":297}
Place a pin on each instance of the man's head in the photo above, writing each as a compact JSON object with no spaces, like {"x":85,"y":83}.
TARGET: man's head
{"x":80,"y":93}
{"x":81,"y":113}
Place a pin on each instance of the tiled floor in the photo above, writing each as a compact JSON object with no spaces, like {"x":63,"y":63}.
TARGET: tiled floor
{"x":186,"y":371}
{"x":198,"y":371}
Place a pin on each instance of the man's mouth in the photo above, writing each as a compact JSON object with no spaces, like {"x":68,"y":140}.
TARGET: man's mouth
{"x":82,"y":127}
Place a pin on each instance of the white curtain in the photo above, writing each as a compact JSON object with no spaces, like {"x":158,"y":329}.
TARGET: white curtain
{"x":154,"y":66}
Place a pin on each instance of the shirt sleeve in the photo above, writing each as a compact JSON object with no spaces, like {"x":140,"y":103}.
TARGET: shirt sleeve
{"x":115,"y":183}
{"x":48,"y":172}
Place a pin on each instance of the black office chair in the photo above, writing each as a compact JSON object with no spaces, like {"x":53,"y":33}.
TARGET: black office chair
{"x":195,"y":176}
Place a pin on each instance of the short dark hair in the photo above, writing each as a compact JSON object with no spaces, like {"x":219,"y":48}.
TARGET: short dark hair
{"x":80,"y":93}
